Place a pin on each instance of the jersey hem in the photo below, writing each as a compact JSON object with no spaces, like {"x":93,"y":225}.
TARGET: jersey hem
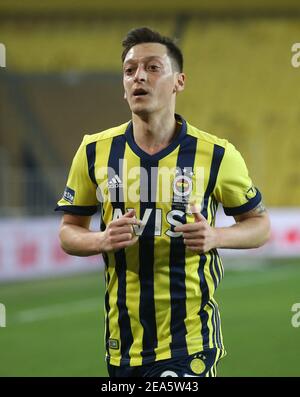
{"x":176,"y":353}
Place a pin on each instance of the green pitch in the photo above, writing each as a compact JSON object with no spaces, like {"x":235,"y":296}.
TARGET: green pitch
{"x":55,"y":327}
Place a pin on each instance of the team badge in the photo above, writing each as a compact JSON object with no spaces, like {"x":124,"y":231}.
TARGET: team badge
{"x":182,"y":188}
{"x":69,"y":195}
{"x":197,"y":366}
{"x":113,"y":344}
{"x":251,"y":192}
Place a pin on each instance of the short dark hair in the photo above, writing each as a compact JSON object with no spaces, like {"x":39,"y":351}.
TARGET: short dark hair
{"x":147,"y":35}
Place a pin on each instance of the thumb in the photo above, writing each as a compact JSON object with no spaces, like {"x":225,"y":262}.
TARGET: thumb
{"x":130,"y":214}
{"x":198,"y":217}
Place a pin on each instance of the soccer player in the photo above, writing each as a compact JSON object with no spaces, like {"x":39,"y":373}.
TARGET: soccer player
{"x":158,"y":181}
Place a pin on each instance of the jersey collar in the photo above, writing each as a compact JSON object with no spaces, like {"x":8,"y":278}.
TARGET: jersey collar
{"x":162,"y":153}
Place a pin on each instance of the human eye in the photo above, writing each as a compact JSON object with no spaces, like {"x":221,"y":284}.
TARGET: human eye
{"x":128,"y":70}
{"x":153,"y":67}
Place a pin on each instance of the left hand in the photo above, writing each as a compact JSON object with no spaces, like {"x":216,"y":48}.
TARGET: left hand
{"x":199,"y":236}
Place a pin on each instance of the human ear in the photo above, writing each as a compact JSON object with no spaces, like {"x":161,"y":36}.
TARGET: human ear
{"x":180,"y":82}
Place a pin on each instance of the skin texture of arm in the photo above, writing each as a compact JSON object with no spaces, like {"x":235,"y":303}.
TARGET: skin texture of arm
{"x":77,"y":239}
{"x":251,"y":230}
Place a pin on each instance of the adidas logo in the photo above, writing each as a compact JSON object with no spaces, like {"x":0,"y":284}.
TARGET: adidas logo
{"x":115,"y":182}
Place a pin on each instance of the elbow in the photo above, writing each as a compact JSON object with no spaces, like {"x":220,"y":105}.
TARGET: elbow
{"x":65,"y":248}
{"x":266,"y":233}
{"x":69,"y":249}
{"x":64,"y":243}
{"x":264,"y":239}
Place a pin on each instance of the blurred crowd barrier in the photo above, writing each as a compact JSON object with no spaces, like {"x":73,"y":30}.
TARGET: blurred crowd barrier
{"x":30,"y":248}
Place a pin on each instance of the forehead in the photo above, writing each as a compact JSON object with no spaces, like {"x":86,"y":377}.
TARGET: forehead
{"x":147,"y":50}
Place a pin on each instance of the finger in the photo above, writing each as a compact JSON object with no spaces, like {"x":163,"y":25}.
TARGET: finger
{"x":193,"y":236}
{"x":134,"y":240}
{"x":129,"y":214}
{"x":198,"y":217}
{"x":188,"y":227}
{"x":121,"y":237}
{"x":126,"y":221}
{"x":200,"y":232}
{"x":121,"y":230}
{"x":125,"y":244}
{"x":195,"y":249}
{"x":192,"y":242}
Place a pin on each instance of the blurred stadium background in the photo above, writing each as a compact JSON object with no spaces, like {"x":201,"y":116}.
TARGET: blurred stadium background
{"x":62,"y":80}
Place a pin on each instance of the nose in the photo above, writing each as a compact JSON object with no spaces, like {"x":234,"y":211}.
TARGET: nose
{"x":140,"y":74}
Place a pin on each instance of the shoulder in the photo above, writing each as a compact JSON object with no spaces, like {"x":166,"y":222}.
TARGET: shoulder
{"x":104,"y":135}
{"x":207,"y":137}
{"x":209,"y":141}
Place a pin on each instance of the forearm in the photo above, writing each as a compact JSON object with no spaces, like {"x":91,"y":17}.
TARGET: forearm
{"x":79,"y":241}
{"x":249,"y":233}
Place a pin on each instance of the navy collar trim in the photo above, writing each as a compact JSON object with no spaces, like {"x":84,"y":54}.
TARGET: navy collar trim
{"x":162,"y":153}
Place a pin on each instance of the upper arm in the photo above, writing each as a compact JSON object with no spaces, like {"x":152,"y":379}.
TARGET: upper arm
{"x":257,"y":212}
{"x":234,"y":187}
{"x":76,"y":220}
{"x":80,"y":196}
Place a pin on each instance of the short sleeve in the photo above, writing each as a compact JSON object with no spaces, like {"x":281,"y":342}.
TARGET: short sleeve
{"x":79,"y":196}
{"x":234,"y":188}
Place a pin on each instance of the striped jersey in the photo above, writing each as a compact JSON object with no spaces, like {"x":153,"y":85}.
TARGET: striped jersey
{"x":159,"y":296}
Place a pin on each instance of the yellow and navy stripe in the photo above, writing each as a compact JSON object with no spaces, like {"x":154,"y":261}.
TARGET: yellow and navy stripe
{"x":146,"y":271}
{"x":185,"y":159}
{"x":159,"y":296}
{"x":126,"y":338}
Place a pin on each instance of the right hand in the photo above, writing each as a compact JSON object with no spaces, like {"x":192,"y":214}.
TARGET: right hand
{"x":119,"y":233}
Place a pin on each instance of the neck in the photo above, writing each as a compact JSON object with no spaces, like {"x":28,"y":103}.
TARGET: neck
{"x":152,"y":133}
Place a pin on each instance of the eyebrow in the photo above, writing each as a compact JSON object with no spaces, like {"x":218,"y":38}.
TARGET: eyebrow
{"x":149,"y":58}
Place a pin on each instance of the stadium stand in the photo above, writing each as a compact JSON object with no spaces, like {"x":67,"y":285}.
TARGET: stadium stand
{"x":59,"y":65}
{"x":243,"y":88}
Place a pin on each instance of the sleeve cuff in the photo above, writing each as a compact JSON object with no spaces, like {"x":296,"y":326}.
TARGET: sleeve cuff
{"x":77,"y":210}
{"x":231,"y":211}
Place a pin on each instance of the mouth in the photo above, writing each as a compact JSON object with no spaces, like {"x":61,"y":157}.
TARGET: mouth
{"x":139,"y":92}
